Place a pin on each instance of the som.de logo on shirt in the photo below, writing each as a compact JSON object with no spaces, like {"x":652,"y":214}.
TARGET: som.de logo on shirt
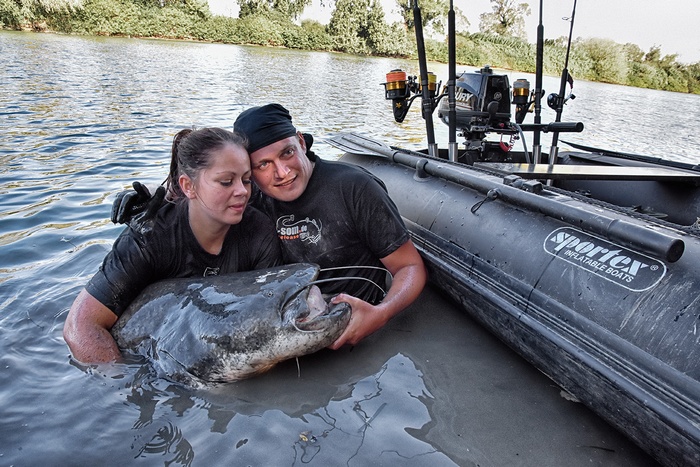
{"x":306,"y":230}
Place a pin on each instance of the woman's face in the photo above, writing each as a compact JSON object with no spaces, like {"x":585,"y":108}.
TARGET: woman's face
{"x":220,"y":193}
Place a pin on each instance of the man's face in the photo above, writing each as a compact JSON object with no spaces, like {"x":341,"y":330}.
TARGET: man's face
{"x":282,"y":170}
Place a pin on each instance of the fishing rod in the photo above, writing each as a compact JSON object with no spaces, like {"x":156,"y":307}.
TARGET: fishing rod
{"x":427,"y":101}
{"x":539,"y":71}
{"x":556,"y":101}
{"x":452,"y":71}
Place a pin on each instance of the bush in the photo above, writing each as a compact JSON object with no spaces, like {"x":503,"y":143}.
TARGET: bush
{"x":676,"y":80}
{"x":259,"y":30}
{"x":105,"y":18}
{"x":11,"y":15}
{"x":644,"y":75}
{"x":609,"y":60}
{"x":316,"y":35}
{"x":693,"y":75}
{"x":311,"y":35}
{"x":221,"y":29}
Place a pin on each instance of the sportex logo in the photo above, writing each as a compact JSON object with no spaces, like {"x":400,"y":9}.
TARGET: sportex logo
{"x":624,"y":267}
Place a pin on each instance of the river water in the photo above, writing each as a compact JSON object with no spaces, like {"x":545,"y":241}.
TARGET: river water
{"x":80,"y":118}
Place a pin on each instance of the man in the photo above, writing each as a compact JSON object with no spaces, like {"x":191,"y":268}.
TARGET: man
{"x":332,"y":214}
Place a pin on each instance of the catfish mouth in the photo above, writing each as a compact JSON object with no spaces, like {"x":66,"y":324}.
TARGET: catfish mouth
{"x":311,"y":313}
{"x":319,"y":315}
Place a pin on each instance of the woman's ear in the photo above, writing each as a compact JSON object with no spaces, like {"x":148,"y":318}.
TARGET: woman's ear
{"x":187,"y":186}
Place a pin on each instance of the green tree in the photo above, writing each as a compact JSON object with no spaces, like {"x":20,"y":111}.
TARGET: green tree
{"x":33,"y":13}
{"x":462,"y":23}
{"x":634,"y":52}
{"x":351,"y":24}
{"x":433,"y":13}
{"x":384,"y":39}
{"x":693,"y":73}
{"x":348,"y":24}
{"x":676,"y":79}
{"x":288,"y":8}
{"x":506,"y":19}
{"x":654,"y":55}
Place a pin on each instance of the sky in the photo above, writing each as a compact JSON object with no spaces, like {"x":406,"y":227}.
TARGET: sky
{"x":672,"y":25}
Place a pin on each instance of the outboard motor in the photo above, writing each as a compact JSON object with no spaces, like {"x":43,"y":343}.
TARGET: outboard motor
{"x":483,"y":103}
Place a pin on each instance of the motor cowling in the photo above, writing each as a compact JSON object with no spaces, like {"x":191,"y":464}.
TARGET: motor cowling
{"x":482,"y":101}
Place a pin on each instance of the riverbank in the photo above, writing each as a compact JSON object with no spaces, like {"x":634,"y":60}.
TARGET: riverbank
{"x":597,"y":60}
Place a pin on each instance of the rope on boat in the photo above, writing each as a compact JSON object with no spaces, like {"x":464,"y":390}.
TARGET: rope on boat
{"x":491,"y":195}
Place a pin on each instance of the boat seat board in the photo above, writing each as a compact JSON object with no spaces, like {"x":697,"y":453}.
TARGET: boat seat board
{"x":590,"y":172}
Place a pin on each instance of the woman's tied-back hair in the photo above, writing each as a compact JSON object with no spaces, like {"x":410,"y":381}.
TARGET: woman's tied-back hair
{"x":192,"y":151}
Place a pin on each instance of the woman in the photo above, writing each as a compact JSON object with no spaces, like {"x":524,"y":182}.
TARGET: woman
{"x":205,"y":230}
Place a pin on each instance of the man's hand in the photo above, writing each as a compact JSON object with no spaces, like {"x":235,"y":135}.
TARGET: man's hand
{"x":406,"y":266}
{"x":136,"y":203}
{"x":364,"y":320}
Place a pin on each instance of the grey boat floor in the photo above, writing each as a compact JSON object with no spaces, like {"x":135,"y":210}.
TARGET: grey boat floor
{"x":435,"y":374}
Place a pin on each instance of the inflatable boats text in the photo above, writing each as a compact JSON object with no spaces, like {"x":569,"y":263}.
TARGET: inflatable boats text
{"x":626,"y":268}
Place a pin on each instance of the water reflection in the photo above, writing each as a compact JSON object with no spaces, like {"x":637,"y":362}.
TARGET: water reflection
{"x":373,"y":419}
{"x":167,"y":442}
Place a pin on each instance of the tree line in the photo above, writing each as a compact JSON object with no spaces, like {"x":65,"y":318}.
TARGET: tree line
{"x":360,"y":27}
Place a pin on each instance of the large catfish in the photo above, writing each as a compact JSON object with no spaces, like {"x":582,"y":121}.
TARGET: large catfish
{"x":230,"y":327}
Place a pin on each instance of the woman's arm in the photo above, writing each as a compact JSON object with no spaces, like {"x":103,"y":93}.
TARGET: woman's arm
{"x":86,"y":331}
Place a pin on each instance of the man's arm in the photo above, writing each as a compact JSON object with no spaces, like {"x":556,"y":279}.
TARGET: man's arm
{"x":86,"y":331}
{"x":406,"y":265}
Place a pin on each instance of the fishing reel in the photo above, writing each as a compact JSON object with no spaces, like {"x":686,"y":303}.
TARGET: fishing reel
{"x":522,"y":99}
{"x":403,"y":89}
{"x":553,"y":100}
{"x":557,"y":101}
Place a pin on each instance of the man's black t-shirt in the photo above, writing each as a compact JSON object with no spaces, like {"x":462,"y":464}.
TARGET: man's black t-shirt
{"x":344,"y":218}
{"x":170,"y":250}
